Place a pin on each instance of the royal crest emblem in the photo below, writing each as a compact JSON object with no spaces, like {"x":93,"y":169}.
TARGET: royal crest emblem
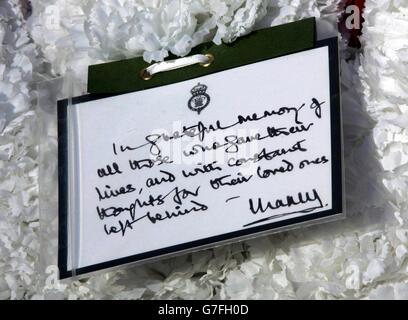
{"x":200,"y":99}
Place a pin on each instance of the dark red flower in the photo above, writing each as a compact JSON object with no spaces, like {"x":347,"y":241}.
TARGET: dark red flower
{"x":351,"y":34}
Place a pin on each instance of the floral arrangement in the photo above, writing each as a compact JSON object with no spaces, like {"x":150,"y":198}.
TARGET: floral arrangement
{"x":364,"y":256}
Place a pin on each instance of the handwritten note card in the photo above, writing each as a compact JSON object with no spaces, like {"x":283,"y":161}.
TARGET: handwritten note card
{"x":211,"y":159}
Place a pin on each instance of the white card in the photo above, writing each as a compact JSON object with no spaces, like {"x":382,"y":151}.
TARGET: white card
{"x":192,"y":164}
